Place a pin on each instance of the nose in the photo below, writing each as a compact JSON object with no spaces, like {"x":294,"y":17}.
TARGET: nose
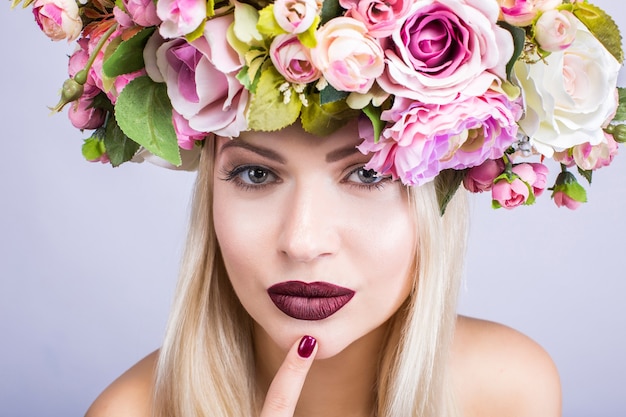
{"x":309,"y":224}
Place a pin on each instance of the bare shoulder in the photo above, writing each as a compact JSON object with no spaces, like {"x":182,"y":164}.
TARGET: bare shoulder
{"x":499,"y":371}
{"x":130,"y":395}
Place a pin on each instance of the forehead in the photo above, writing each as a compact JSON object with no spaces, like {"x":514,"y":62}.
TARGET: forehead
{"x":293,"y":138}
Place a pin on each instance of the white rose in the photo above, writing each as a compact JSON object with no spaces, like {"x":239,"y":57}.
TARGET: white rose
{"x":569,"y":97}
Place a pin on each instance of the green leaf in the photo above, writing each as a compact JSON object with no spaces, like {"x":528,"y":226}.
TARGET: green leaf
{"x":330,"y":94}
{"x":330,"y":10}
{"x":267,"y":24}
{"x":210,"y":8}
{"x":446,"y":184}
{"x":307,"y":38}
{"x":519,"y":39}
{"x":128,"y":56}
{"x":144,"y":114}
{"x":93,"y":147}
{"x":196,"y":33}
{"x":373,"y":113}
{"x":267,"y":110}
{"x":602,"y":26}
{"x":323,"y":119}
{"x":620,"y":114}
{"x":586,"y":174}
{"x":120,"y":148}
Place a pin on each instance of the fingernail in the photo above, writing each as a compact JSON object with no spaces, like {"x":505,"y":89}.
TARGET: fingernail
{"x":306,"y":346}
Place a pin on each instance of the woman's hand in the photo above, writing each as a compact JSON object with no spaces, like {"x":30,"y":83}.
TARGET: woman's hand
{"x":283,"y":394}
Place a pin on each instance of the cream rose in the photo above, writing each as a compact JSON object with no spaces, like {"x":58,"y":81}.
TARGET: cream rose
{"x":569,"y":95}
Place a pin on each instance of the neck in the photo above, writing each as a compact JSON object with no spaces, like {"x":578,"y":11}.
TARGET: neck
{"x":344,"y":385}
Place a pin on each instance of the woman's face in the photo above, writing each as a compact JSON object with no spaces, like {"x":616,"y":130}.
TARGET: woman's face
{"x":313,"y":243}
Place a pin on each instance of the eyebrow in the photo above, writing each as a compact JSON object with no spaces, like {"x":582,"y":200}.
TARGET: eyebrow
{"x":265,"y":152}
{"x":341,"y":153}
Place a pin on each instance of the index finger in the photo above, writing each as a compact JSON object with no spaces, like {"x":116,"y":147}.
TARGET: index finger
{"x":284,"y":391}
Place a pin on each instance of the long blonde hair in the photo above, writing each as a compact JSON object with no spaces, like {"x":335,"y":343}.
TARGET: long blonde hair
{"x":206,"y":363}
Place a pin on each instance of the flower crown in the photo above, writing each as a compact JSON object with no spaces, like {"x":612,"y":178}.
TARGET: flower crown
{"x":469,"y":89}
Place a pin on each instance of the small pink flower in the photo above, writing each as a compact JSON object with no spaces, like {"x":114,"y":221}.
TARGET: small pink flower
{"x":83,"y":116}
{"x":541,"y":178}
{"x":143,"y":12}
{"x":510,"y":194}
{"x":122,"y":18}
{"x":523,"y":12}
{"x":201,"y":80}
{"x":347,"y":56}
{"x":186,"y":136}
{"x":446,"y":49}
{"x":295,"y":16}
{"x":292,"y":60}
{"x":564,"y":157}
{"x":58,"y":19}
{"x":380,"y":17}
{"x":180,"y":17}
{"x":555,"y":30}
{"x":561,"y":199}
{"x":480,"y":178}
{"x":590,"y":157}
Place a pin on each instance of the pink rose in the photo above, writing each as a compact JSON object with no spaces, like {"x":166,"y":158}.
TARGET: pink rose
{"x":296,"y":16}
{"x":523,"y":12}
{"x":555,"y":30}
{"x":347,"y":56}
{"x":480,"y":178}
{"x":180,"y":17}
{"x":201,"y":80}
{"x":83,"y":116}
{"x":292,"y":60}
{"x":143,"y":12}
{"x":590,"y":157}
{"x":122,"y":18}
{"x":541,"y":178}
{"x":509,"y":194}
{"x":564,"y":157}
{"x":421,"y":140}
{"x":58,"y":19}
{"x":511,"y":191}
{"x":186,"y":136}
{"x":445,"y":49}
{"x":380,"y":17}
{"x":561,"y":199}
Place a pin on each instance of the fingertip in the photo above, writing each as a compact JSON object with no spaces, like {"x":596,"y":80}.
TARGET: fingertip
{"x":306,"y":346}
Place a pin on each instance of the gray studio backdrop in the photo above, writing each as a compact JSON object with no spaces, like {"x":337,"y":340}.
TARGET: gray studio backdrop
{"x":89,"y":254}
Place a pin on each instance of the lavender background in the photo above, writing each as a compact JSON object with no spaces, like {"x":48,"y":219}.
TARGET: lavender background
{"x":89,"y":254}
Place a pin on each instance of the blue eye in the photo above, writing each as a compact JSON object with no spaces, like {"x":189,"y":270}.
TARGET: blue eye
{"x":255,"y":175}
{"x":365,"y":176}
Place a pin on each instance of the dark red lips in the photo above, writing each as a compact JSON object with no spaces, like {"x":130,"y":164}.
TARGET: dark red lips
{"x":309,"y":301}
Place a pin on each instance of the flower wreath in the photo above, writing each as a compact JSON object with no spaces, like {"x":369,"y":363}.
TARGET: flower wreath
{"x":466,"y":88}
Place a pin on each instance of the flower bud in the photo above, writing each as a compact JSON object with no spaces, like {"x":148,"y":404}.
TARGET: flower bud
{"x":568,"y":192}
{"x":71,"y":91}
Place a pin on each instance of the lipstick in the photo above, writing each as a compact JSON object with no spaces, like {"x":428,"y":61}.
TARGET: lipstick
{"x":309,"y":301}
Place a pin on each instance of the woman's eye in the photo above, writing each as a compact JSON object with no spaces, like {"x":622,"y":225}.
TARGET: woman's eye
{"x":255,"y":175}
{"x":250,"y":176}
{"x":365,"y":176}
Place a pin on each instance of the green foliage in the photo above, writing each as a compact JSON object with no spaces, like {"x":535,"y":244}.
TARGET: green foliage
{"x":120,"y":148}
{"x":144,"y":114}
{"x":586,"y":174}
{"x":330,"y":95}
{"x":620,"y":114}
{"x":307,"y":38}
{"x":602,"y":26}
{"x":330,"y":10}
{"x":519,"y":39}
{"x":446,"y":185}
{"x":373,"y":113}
{"x":93,"y":147}
{"x":267,"y":110}
{"x":267,"y":24}
{"x":127,"y":56}
{"x":323,"y":119}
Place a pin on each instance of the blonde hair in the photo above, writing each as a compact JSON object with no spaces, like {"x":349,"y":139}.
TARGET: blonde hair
{"x":206,"y":364}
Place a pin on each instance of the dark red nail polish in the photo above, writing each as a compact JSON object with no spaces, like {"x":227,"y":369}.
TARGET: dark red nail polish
{"x":306,"y":346}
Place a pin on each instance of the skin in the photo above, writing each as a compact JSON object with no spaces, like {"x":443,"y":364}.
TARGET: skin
{"x":316,"y":223}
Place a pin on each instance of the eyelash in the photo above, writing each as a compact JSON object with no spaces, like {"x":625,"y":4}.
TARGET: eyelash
{"x":232,"y":175}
